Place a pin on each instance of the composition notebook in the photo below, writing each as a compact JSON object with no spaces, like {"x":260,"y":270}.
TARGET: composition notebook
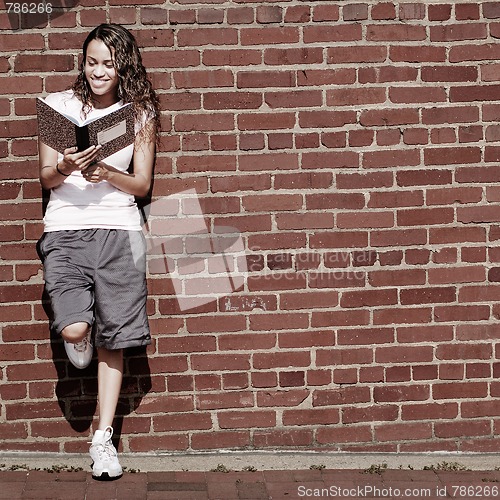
{"x":113,"y":131}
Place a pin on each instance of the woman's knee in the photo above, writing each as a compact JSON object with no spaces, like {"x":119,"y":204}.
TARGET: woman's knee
{"x":75,"y":332}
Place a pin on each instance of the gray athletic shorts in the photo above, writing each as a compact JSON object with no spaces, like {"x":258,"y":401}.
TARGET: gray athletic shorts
{"x":98,"y":276}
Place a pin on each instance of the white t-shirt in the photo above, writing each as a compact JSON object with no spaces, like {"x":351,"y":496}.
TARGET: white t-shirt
{"x":79,"y":204}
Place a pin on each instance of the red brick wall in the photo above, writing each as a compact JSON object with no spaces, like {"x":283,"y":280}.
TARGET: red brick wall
{"x":355,"y":147}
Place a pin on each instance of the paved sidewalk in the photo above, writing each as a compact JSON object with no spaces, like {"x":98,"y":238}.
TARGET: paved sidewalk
{"x":271,"y":484}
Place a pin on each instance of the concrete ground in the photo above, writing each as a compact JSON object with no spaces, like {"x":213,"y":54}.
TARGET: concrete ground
{"x":254,"y":475}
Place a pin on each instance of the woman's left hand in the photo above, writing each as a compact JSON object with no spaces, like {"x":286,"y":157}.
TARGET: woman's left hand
{"x":96,"y":172}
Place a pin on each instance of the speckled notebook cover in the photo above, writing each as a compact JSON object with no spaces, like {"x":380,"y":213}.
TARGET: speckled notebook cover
{"x":58,"y":132}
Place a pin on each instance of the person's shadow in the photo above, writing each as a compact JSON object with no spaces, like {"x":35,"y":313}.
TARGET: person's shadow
{"x":76,"y":390}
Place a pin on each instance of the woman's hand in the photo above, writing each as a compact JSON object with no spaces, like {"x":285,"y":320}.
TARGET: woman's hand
{"x":77,"y":160}
{"x":52,"y":173}
{"x":96,"y":172}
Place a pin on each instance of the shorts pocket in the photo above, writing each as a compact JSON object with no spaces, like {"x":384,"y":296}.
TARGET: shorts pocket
{"x":39,"y":247}
{"x":138,"y":249}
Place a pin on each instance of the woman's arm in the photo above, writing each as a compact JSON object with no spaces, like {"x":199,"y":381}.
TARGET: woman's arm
{"x":52,"y":173}
{"x":138,"y":182}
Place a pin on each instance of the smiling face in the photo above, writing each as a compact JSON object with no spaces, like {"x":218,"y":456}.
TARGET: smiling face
{"x":101,"y":74}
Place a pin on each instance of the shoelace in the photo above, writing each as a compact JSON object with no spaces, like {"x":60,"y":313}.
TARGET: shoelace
{"x":106,"y":447}
{"x":106,"y":450}
{"x":81,"y":346}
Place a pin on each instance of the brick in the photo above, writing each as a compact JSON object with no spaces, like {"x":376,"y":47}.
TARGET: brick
{"x":178,"y":59}
{"x":231,"y":57}
{"x":348,"y":97}
{"x":412,"y":11}
{"x":450,"y":32}
{"x":210,"y":16}
{"x":395,"y":32}
{"x":443,"y":156}
{"x":491,"y":10}
{"x":184,"y":16}
{"x":362,"y":54}
{"x":407,"y":53}
{"x":11,"y":42}
{"x":417,"y":94}
{"x":283,"y":438}
{"x":464,"y":351}
{"x":226,"y":439}
{"x":389,"y":117}
{"x":449,"y":74}
{"x":232,"y":381}
{"x":284,"y":57}
{"x":330,"y":159}
{"x":368,"y":298}
{"x":477,"y":52}
{"x":207,"y":36}
{"x":269,"y":35}
{"x":347,"y":33}
{"x":343,"y":396}
{"x":38,"y":63}
{"x":402,"y":316}
{"x":298,"y":14}
{"x":294,"y":99}
{"x":269,"y":14}
{"x":122,"y":15}
{"x":322,"y":13}
{"x":439,"y":12}
{"x":281,"y":359}
{"x":396,"y":199}
{"x":230,"y":100}
{"x":182,"y":422}
{"x":325,"y":119}
{"x":308,"y":77}
{"x":383,"y":11}
{"x":240,"y":15}
{"x":203,"y":79}
{"x":344,"y":434}
{"x":473,"y":313}
{"x":392,"y":158}
{"x":245,"y":419}
{"x":413,"y":392}
{"x":474,"y":93}
{"x":396,"y":432}
{"x":189,"y":123}
{"x":284,"y":397}
{"x":460,"y":390}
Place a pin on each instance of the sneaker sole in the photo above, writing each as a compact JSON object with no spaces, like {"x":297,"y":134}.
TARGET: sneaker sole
{"x":106,"y":476}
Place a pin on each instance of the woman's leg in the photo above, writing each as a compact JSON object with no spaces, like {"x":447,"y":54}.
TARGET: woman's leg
{"x":75,"y":332}
{"x":109,"y":382}
{"x":77,"y":344}
{"x":109,"y":378}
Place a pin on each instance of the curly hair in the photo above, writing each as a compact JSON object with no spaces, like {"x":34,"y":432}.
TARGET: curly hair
{"x":134,"y":85}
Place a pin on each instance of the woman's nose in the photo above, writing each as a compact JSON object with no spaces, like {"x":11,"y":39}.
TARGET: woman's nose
{"x":99,"y":71}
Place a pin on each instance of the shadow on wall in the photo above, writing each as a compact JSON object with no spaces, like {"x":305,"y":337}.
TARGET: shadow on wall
{"x":76,"y":390}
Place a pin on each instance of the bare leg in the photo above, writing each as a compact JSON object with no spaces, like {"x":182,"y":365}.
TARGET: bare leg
{"x":75,"y":332}
{"x":109,"y":378}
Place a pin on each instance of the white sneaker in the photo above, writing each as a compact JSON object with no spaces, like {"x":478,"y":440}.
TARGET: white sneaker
{"x":80,"y":354}
{"x":104,"y":455}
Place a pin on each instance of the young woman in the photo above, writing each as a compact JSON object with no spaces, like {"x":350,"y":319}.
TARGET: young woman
{"x":92,"y":248}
